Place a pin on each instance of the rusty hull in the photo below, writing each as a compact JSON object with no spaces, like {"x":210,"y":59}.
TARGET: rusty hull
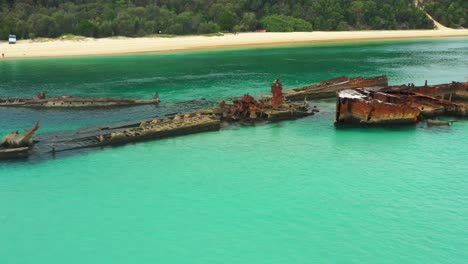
{"x":357,"y":107}
{"x":267,"y":113}
{"x":404,"y":104}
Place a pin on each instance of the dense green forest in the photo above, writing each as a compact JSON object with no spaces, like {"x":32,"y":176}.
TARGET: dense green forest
{"x":104,"y":18}
{"x":451,"y":13}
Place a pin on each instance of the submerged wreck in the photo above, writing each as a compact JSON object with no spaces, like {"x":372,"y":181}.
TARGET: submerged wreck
{"x":271,"y":109}
{"x":41,"y":101}
{"x":246,"y":110}
{"x":157,"y":128}
{"x":323,"y":89}
{"x":16,"y":145}
{"x":328,"y":88}
{"x":405,"y":104}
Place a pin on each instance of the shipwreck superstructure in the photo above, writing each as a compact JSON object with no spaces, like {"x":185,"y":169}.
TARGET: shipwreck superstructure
{"x":274,"y":108}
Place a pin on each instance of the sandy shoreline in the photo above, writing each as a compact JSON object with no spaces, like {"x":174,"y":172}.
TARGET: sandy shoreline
{"x":110,"y":46}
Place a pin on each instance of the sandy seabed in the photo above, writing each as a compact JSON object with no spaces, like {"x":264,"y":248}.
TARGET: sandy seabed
{"x":109,"y":46}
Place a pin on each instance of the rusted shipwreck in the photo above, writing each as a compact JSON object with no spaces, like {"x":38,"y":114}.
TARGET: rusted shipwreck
{"x":273,"y":108}
{"x":404,"y":104}
{"x":41,"y":101}
{"x":328,"y":88}
{"x":323,"y":89}
{"x":246,"y":110}
{"x":156,"y":128}
{"x":16,"y":145}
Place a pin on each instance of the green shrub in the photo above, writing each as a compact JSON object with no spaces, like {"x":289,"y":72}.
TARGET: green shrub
{"x":281,"y":23}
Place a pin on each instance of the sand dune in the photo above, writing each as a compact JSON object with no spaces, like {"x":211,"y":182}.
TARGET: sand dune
{"x":108,"y":46}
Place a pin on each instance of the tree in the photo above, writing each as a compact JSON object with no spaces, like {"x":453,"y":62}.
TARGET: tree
{"x":42,"y":26}
{"x":249,"y":22}
{"x":105,"y":29}
{"x":356,"y":10}
{"x":124,"y":25}
{"x":343,"y":26}
{"x":227,"y":20}
{"x":189,"y":22}
{"x":208,"y":27}
{"x":86,"y":28}
{"x":65,"y":22}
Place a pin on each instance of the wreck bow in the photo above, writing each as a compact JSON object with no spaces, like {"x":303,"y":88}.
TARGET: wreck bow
{"x":16,"y":140}
{"x":15,"y":145}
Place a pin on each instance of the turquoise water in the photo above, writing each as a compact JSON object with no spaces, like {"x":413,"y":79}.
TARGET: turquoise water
{"x":292,"y":192}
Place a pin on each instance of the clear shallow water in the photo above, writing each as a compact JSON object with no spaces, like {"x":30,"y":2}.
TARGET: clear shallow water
{"x":293,"y":192}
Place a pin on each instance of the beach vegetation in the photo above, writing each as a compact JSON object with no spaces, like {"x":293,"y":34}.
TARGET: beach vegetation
{"x":248,"y":22}
{"x":208,"y":28}
{"x":87,"y":28}
{"x":72,"y":37}
{"x":134,"y":18}
{"x":450,"y":13}
{"x":281,"y":23}
{"x":227,"y":20}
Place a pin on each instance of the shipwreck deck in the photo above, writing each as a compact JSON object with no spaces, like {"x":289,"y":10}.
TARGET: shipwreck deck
{"x":74,"y":102}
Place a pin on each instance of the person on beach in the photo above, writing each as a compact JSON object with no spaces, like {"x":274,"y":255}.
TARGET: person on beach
{"x":3,"y":55}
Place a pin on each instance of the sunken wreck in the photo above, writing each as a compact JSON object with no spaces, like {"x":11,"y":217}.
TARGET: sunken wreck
{"x":375,"y":105}
{"x":323,"y":89}
{"x":16,"y":145}
{"x":42,"y":101}
{"x":404,"y":104}
{"x":246,"y":110}
{"x":328,"y":88}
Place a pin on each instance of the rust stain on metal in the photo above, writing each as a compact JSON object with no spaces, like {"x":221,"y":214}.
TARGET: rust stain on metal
{"x":404,"y":104}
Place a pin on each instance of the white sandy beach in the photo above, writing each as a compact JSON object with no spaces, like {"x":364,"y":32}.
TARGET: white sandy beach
{"x":108,"y":46}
